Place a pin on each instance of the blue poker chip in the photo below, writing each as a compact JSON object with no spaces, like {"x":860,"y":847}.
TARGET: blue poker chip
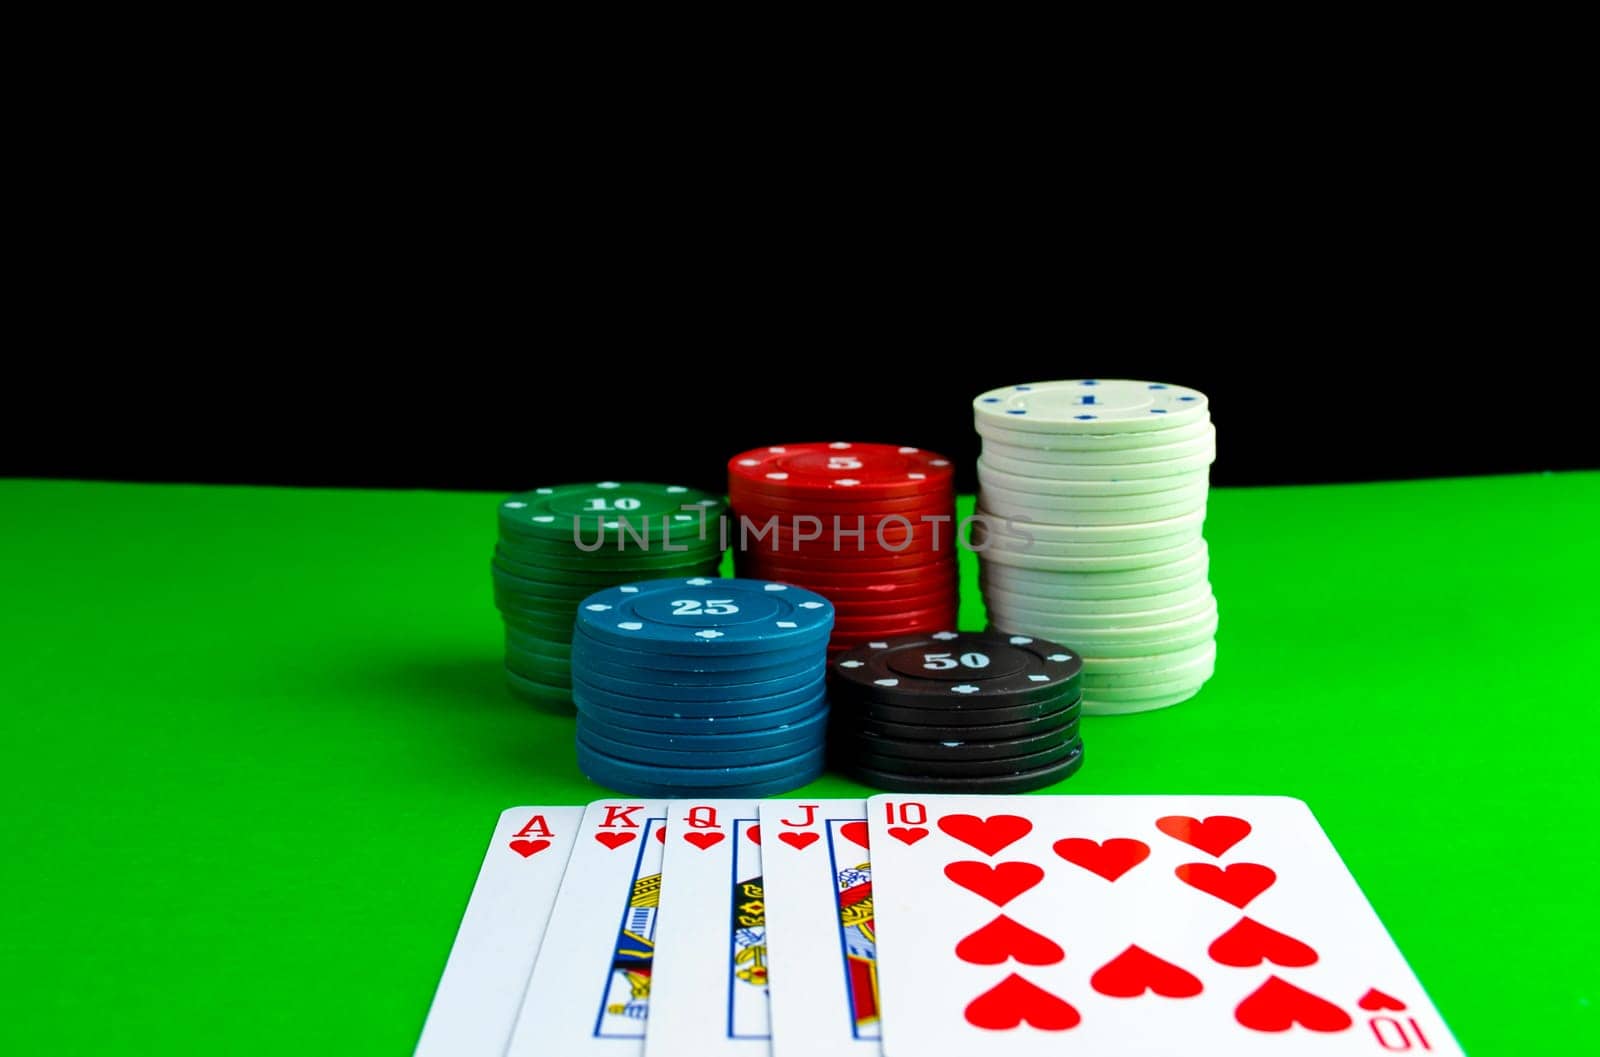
{"x":699,"y":701}
{"x":603,"y":707}
{"x":693,"y":662}
{"x":714,"y":681}
{"x":628,"y":777}
{"x":635,"y":683}
{"x":713,"y":616}
{"x":780,"y":748}
{"x":810,"y":728}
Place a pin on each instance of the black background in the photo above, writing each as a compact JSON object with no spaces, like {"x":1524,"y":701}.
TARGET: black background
{"x":455,"y":419}
{"x":353,"y":303}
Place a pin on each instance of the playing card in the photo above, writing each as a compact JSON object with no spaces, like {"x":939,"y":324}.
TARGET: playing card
{"x":1131,"y":925}
{"x":709,"y":997}
{"x":495,"y":948}
{"x":590,"y":989}
{"x":820,"y":928}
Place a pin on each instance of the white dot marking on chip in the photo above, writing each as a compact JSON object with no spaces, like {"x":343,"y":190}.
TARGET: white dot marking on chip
{"x":630,"y":625}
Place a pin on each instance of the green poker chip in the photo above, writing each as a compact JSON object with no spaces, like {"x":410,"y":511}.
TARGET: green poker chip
{"x":600,"y":510}
{"x":558,"y":546}
{"x":546,"y":698}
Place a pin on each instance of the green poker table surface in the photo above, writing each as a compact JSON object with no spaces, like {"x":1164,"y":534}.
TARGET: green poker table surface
{"x":253,"y":742}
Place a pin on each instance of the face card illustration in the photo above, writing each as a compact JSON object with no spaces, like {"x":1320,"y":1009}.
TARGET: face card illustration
{"x":590,"y":991}
{"x":498,"y":941}
{"x":1131,"y":925}
{"x":710,"y":997}
{"x":820,"y":928}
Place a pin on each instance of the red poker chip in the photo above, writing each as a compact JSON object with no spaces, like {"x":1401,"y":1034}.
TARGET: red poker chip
{"x":856,"y":614}
{"x":805,"y":576}
{"x":840,"y":469}
{"x":859,"y":571}
{"x":868,"y":605}
{"x":942,"y":617}
{"x":787,"y":548}
{"x":935,"y":501}
{"x":856,"y":638}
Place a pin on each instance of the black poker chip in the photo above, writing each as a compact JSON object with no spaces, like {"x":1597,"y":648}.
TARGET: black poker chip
{"x":957,"y":767}
{"x":971,"y":716}
{"x":950,"y":732}
{"x":965,"y":669}
{"x":1016,"y":782}
{"x":864,"y":745}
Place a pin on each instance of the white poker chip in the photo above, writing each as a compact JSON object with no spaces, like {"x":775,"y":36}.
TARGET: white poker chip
{"x":1071,"y":443}
{"x":1199,"y":559}
{"x":1040,"y":492}
{"x":1092,"y":707}
{"x":1115,"y":473}
{"x":1044,"y":530}
{"x":1091,"y":406}
{"x":1103,"y":566}
{"x":1045,"y":585}
{"x":1043,"y":514}
{"x":1091,"y":641}
{"x":1110,"y":621}
{"x":1108,"y":609}
{"x":1018,"y":446}
{"x":1154,"y":661}
{"x":1016,"y":538}
{"x":1196,"y":669}
{"x":1195,"y":634}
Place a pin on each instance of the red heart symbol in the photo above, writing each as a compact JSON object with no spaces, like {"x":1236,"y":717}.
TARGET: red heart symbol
{"x":1003,"y":938}
{"x":1278,"y":1005}
{"x":907,"y":836}
{"x":754,"y":833}
{"x":614,"y":840}
{"x":988,"y":835}
{"x":703,"y":840}
{"x":1248,"y":942}
{"x":1014,"y":1001}
{"x":661,"y":834}
{"x":1213,"y":836}
{"x":798,"y":841}
{"x":854,"y":832}
{"x":1110,"y":860}
{"x":998,"y":884}
{"x":1376,"y":1000}
{"x":526,"y":848}
{"x":1135,"y":971}
{"x":1236,"y":884}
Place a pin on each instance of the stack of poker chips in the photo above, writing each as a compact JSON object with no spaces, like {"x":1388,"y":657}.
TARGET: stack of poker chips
{"x":1092,"y":497}
{"x":868,"y":526}
{"x":559,"y":545}
{"x":957,"y":712}
{"x":701,"y":687}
